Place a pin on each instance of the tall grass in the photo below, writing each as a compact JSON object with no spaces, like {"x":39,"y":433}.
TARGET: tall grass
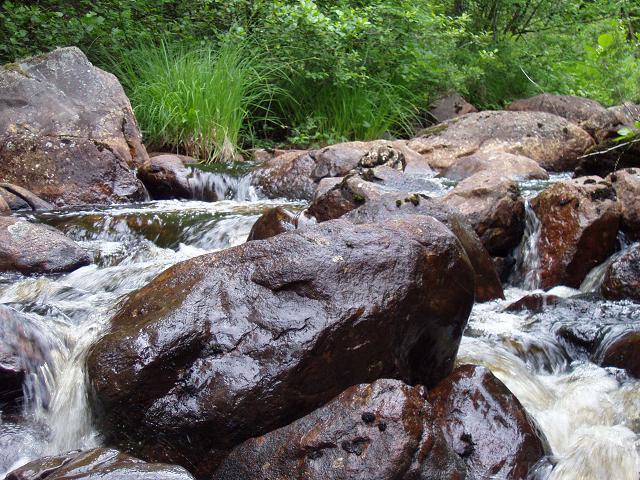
{"x":196,"y":101}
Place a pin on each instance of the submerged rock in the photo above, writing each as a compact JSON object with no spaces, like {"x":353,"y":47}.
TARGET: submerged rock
{"x":248,"y":339}
{"x":99,"y":463}
{"x":67,"y":131}
{"x":385,"y":430}
{"x":550,"y":140}
{"x":626,"y":183}
{"x":486,"y":425}
{"x":579,"y":222}
{"x":29,"y":248}
{"x":622,"y":278}
{"x":515,"y":167}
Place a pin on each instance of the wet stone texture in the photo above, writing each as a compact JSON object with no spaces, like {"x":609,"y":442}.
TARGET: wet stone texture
{"x":385,"y":430}
{"x":501,"y":164}
{"x":67,"y":131}
{"x":246,"y":340}
{"x":621,"y":350}
{"x":579,"y":223}
{"x":626,"y":183}
{"x":486,"y":425}
{"x":622,"y":278}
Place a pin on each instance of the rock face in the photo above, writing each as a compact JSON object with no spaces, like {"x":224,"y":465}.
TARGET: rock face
{"x":622,"y":279}
{"x":449,"y":107}
{"x":493,"y":206}
{"x":360,"y":202}
{"x":246,"y":340}
{"x":579,"y":221}
{"x":621,"y":351}
{"x":486,"y":425}
{"x":587,"y":113}
{"x":99,"y":463}
{"x":29,"y":248}
{"x":296,"y":174}
{"x":626,"y":183}
{"x":384,"y":430}
{"x":550,"y":140}
{"x":165,"y":177}
{"x":515,"y":167}
{"x":67,"y":131}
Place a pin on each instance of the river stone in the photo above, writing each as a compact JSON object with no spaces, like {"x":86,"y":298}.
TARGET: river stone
{"x":493,"y":206}
{"x":67,"y":131}
{"x":19,"y":196}
{"x":165,"y":176}
{"x":622,"y":278}
{"x":246,"y":340}
{"x":450,"y":106}
{"x":579,"y":222}
{"x":589,"y":114}
{"x":501,"y":164}
{"x":384,"y":430}
{"x":97,"y":464}
{"x":30,"y":248}
{"x":626,"y":114}
{"x":550,"y":140}
{"x":626,"y":183}
{"x":360,"y":201}
{"x":5,"y":209}
{"x":273,"y":222}
{"x":621,"y":350}
{"x":486,"y":425}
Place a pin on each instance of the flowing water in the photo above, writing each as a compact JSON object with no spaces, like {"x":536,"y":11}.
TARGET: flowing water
{"x":590,"y":415}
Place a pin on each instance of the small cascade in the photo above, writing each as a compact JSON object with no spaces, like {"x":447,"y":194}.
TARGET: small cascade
{"x":214,"y":186}
{"x":527,"y":269}
{"x":594,"y":279}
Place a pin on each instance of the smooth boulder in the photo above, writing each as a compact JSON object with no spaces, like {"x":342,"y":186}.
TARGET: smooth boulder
{"x":515,"y":167}
{"x":622,"y":277}
{"x":579,"y":221}
{"x":67,"y":131}
{"x":621,"y":350}
{"x":626,"y":183}
{"x":384,"y":430}
{"x":246,"y":340}
{"x":29,"y":248}
{"x":165,"y":176}
{"x":486,"y":425}
{"x":552,"y":141}
{"x":97,"y":464}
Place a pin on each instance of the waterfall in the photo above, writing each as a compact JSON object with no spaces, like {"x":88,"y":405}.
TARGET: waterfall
{"x":213,"y":186}
{"x":527,"y":269}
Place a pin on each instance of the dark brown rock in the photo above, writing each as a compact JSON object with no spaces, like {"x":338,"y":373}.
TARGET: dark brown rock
{"x":622,"y":278}
{"x":504,"y":267}
{"x":608,"y":157}
{"x":5,"y":209}
{"x":621,"y":350}
{"x":67,"y":131}
{"x":246,"y":340}
{"x":165,"y":176}
{"x":534,"y":302}
{"x":450,"y":106}
{"x":626,"y":183}
{"x":97,"y":464}
{"x":273,"y":222}
{"x":33,"y":201}
{"x":29,"y":248}
{"x":626,"y":114}
{"x":579,"y":222}
{"x":486,"y":425}
{"x":384,"y":430}
{"x":515,"y":167}
{"x":493,"y":206}
{"x":550,"y":140}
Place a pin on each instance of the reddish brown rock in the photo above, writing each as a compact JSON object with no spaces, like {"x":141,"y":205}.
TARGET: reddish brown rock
{"x":622,"y":278}
{"x":486,"y":425}
{"x":165,"y":177}
{"x":515,"y":167}
{"x":552,"y":141}
{"x":275,"y":221}
{"x":579,"y":222}
{"x":626,"y":183}
{"x":67,"y":131}
{"x":493,"y":206}
{"x":534,"y":302}
{"x":450,"y":106}
{"x":21,"y":195}
{"x":5,"y":209}
{"x":385,"y":430}
{"x":621,"y":350}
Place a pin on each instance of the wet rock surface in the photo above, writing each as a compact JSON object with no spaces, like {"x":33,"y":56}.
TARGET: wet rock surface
{"x":622,"y":278}
{"x":19,"y":198}
{"x":99,"y":463}
{"x":166,"y":176}
{"x":385,"y":430}
{"x":515,"y":167}
{"x":579,"y":222}
{"x":276,"y":221}
{"x":550,"y":140}
{"x":534,"y":302}
{"x":67,"y":131}
{"x":248,"y":339}
{"x":621,"y":351}
{"x":30,"y":248}
{"x":486,"y":425}
{"x":626,"y":184}
{"x":493,"y":206}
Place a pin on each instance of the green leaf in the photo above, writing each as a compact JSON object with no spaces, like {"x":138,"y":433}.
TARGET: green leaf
{"x":625,"y":132}
{"x":606,"y":40}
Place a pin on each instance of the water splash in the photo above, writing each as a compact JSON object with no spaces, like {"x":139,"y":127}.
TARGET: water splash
{"x":214,"y":186}
{"x":527,"y":269}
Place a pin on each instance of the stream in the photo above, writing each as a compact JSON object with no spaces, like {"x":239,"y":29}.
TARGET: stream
{"x":589,"y":414}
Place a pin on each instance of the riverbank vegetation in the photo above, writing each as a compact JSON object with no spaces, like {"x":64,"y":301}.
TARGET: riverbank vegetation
{"x":211,"y":77}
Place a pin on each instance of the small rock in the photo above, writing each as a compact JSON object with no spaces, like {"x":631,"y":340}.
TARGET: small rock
{"x":621,"y":350}
{"x":622,"y":278}
{"x":165,"y":176}
{"x":450,"y":106}
{"x":273,"y":222}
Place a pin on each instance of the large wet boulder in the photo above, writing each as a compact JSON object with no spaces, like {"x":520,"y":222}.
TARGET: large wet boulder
{"x":296,"y":174}
{"x":579,"y":222}
{"x":28,"y":248}
{"x":620,"y":349}
{"x":589,"y":114}
{"x":165,"y":176}
{"x":486,"y":425}
{"x":98,"y":463}
{"x":626,"y":183}
{"x":493,"y":206}
{"x":246,"y":340}
{"x":385,"y":430}
{"x":552,"y":141}
{"x":67,"y":131}
{"x":361,"y":201}
{"x":622,"y":278}
{"x":450,"y":106}
{"x":501,"y":164}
